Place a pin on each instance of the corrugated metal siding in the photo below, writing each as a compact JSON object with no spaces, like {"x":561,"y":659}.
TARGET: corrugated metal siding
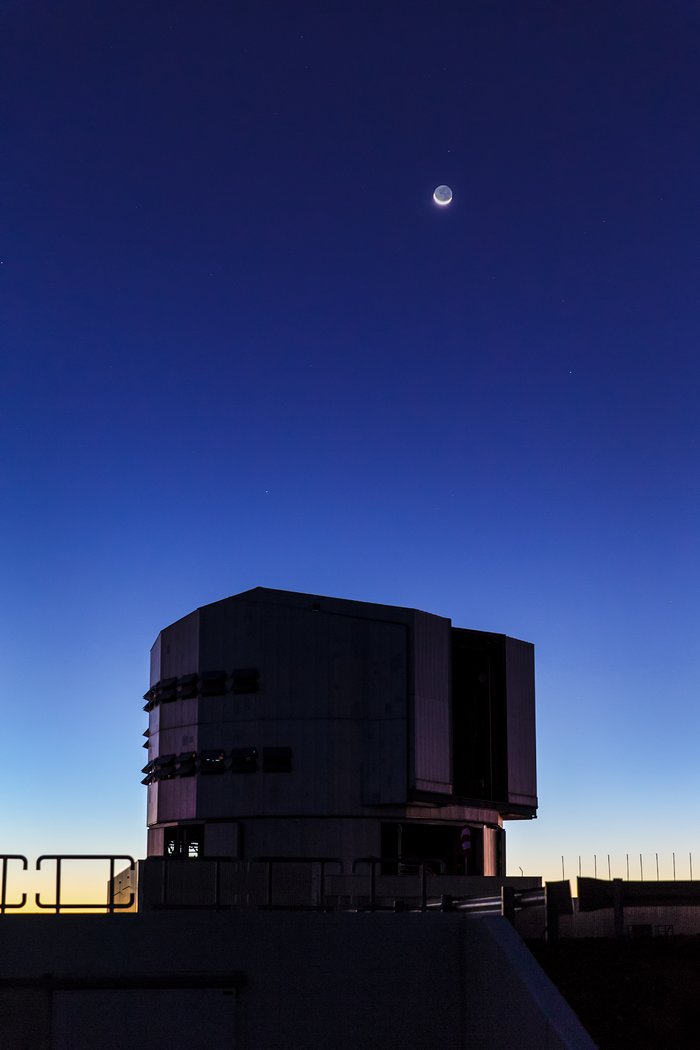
{"x":325,"y":681}
{"x":347,"y":667}
{"x":383,"y":756}
{"x":431,"y":704}
{"x":179,"y":647}
{"x":152,"y":804}
{"x":294,"y":678}
{"x":155,"y":660}
{"x":384,"y":762}
{"x":177,"y":715}
{"x":229,"y":635}
{"x":176,"y":799}
{"x":361,"y":694}
{"x":520,"y":699}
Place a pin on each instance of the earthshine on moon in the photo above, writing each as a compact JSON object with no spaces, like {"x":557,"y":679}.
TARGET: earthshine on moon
{"x":442,"y":195}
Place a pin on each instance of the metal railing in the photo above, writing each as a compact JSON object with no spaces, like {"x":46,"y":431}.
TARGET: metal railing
{"x":376,"y":884}
{"x":58,"y":905}
{"x":179,"y":863}
{"x":383,"y":891}
{"x":422,"y":863}
{"x":6,"y":905}
{"x":322,"y":862}
{"x":508,"y":902}
{"x":110,"y":905}
{"x":615,"y":865}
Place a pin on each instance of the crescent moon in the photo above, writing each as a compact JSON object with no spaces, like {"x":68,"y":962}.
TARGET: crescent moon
{"x":442,"y":195}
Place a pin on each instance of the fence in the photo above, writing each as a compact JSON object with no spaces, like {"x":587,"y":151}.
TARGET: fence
{"x":598,"y":895}
{"x":59,"y":904}
{"x":652,"y":866}
{"x":320,"y":884}
{"x":266,"y":882}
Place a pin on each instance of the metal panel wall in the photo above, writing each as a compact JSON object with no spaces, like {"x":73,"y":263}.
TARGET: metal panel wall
{"x":359,"y":693}
{"x":520,"y":694}
{"x":175,"y":799}
{"x":155,"y":660}
{"x":383,"y":756}
{"x":431,"y":760}
{"x":230,"y":635}
{"x":179,"y":647}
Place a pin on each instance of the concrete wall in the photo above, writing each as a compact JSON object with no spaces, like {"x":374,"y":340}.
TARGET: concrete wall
{"x":681,"y":920}
{"x":685,"y":919}
{"x":264,"y":981}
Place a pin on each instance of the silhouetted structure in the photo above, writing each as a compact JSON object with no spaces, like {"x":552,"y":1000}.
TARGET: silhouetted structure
{"x":335,"y":768}
{"x":296,"y":725}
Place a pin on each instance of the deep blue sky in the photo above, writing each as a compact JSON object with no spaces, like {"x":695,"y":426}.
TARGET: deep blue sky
{"x":241,"y":346}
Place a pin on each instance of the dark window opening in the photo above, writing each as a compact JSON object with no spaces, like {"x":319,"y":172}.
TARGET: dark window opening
{"x":212,"y":683}
{"x":212,"y":761}
{"x":166,"y":690}
{"x":472,"y":849}
{"x":478,"y":717}
{"x":453,"y":849}
{"x":164,"y":767}
{"x":244,"y":760}
{"x":185,"y":841}
{"x":187,"y":685}
{"x":187,"y":764}
{"x":277,"y":760}
{"x":245,"y":680}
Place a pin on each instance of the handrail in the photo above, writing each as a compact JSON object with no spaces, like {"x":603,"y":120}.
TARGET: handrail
{"x":4,"y":906}
{"x":411,"y":891}
{"x":58,"y":905}
{"x":507,"y":903}
{"x":178,"y":862}
{"x":323,"y":861}
{"x":422,"y":863}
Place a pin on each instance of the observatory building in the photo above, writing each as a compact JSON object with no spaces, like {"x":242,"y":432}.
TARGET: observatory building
{"x":293,"y":725}
{"x":327,"y":785}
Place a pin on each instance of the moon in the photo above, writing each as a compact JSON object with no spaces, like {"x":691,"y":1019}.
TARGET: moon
{"x":442,"y":195}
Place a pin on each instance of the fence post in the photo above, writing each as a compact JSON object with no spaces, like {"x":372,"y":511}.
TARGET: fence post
{"x":423,"y":887}
{"x":618,"y":908}
{"x":551,"y":928}
{"x":508,"y":904}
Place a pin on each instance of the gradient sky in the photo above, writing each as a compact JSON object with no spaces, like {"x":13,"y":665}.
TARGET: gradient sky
{"x":241,"y":346}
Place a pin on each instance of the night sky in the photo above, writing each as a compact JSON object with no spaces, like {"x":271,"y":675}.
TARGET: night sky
{"x":240,"y":346}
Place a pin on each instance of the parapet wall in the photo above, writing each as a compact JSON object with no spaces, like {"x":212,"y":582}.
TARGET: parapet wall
{"x":271,"y":981}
